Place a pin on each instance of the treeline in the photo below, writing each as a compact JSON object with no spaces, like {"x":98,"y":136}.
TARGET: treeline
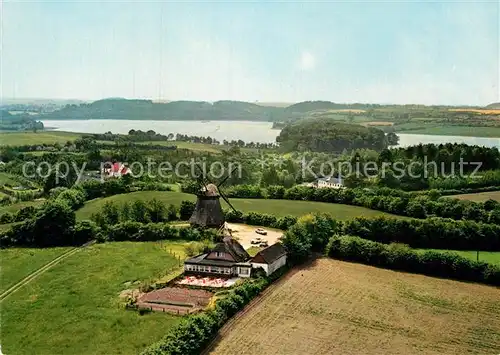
{"x":448,"y":154}
{"x":403,"y":258}
{"x":430,"y":233}
{"x":416,"y":205}
{"x":323,"y":234}
{"x":146,"y":136}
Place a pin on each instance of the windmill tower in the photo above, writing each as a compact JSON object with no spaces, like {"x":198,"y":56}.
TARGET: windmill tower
{"x":208,"y":210}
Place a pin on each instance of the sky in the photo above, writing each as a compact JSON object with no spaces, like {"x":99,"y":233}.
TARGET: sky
{"x":371,"y":52}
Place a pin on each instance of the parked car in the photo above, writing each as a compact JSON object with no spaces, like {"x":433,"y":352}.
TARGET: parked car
{"x":263,"y":244}
{"x":261,"y":231}
{"x":256,"y":240}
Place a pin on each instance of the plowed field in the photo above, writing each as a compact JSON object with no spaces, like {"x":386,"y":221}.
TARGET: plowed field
{"x":335,"y":307}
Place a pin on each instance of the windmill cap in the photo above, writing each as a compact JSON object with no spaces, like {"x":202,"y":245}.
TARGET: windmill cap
{"x":211,"y":190}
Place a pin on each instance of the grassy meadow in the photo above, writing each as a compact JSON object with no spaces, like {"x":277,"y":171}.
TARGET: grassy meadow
{"x":479,"y":197}
{"x":41,"y":137}
{"x":18,"y":205}
{"x":74,"y":307}
{"x":275,"y":207}
{"x":336,"y":307}
{"x":17,"y":263}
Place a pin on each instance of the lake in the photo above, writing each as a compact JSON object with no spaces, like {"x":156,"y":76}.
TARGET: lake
{"x":233,"y":130}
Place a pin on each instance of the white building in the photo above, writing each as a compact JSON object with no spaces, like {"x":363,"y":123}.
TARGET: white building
{"x":270,"y":259}
{"x":330,"y":182}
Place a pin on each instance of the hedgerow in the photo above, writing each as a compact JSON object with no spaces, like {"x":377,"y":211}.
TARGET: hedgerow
{"x":401,"y":257}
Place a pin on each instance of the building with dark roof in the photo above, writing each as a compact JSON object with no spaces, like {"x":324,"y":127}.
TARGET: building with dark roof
{"x":230,"y":259}
{"x":270,"y":259}
{"x":227,"y":258}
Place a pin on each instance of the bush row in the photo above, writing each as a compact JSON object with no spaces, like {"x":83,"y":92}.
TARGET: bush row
{"x":430,"y":233}
{"x":401,"y":257}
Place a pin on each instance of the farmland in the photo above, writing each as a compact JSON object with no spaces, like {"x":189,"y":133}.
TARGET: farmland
{"x":479,"y":197}
{"x":28,"y":138}
{"x":337,"y":307}
{"x":79,"y":296}
{"x":275,"y":207}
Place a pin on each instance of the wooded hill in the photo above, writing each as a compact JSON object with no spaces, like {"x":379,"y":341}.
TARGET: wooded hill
{"x":328,"y":135}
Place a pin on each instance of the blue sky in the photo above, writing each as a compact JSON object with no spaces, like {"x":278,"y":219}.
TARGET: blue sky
{"x":380,"y":52}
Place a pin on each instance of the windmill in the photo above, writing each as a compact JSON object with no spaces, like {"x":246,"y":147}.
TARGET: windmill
{"x":208,"y":210}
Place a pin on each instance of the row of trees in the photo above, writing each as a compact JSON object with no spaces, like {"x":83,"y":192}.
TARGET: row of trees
{"x":137,"y":210}
{"x":401,"y":257}
{"x":384,"y":199}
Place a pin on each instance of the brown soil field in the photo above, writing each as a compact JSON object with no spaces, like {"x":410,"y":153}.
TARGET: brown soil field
{"x":479,"y":197}
{"x":335,"y":307}
{"x":378,"y":123}
{"x":481,"y":111}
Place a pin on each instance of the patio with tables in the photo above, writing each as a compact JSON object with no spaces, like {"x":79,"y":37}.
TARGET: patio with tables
{"x":207,"y":281}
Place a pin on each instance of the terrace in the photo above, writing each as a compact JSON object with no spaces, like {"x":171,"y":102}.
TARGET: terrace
{"x":207,"y":281}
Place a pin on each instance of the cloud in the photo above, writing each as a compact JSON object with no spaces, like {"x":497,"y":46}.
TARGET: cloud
{"x":307,"y":61}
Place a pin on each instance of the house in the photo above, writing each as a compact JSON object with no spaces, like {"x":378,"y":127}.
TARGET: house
{"x":330,"y":182}
{"x":115,"y":170}
{"x":270,"y":259}
{"x":227,"y":258}
{"x":230,"y":259}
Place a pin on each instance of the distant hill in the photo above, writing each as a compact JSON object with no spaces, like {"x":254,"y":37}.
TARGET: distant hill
{"x":308,"y":106}
{"x":174,"y":110}
{"x":493,"y":106}
{"x":140,"y":109}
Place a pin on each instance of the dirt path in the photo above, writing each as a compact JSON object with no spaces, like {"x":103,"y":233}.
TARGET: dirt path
{"x":41,"y":270}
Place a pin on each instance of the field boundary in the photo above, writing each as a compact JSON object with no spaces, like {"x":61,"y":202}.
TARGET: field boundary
{"x":41,"y":270}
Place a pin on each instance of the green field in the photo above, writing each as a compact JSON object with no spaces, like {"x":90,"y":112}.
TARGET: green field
{"x":17,"y":263}
{"x":469,"y":131}
{"x":74,"y":308}
{"x":17,"y":206}
{"x":26,"y":138}
{"x":486,"y":256}
{"x":274,"y":207}
{"x":479,"y":197}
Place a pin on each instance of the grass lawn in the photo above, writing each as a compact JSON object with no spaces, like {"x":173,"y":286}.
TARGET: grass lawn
{"x":479,"y":197}
{"x":274,"y":207}
{"x":17,"y":206}
{"x":73,"y":308}
{"x":487,"y":256}
{"x":47,"y":137}
{"x":17,"y":263}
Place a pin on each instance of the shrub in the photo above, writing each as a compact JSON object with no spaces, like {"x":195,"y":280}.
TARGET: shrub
{"x":6,"y":217}
{"x":186,"y":209}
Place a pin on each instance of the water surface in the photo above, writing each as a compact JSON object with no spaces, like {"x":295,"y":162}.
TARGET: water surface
{"x":234,"y":130}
